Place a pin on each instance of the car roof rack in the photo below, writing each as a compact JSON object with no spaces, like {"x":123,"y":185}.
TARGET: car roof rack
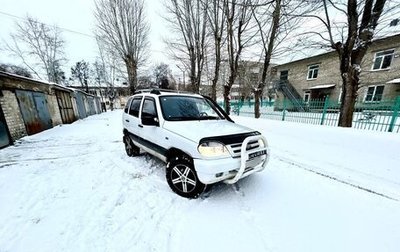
{"x":158,"y":91}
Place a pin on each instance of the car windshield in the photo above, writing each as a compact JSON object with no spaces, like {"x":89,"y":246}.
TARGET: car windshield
{"x":186,"y":108}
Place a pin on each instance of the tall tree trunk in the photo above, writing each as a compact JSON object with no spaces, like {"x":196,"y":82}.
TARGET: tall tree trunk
{"x":228,"y":86}
{"x":267,"y":56}
{"x":257,"y":95}
{"x":193,"y":80}
{"x":131,"y":68}
{"x":350,"y":81}
{"x":352,"y":52}
{"x":227,"y":99}
{"x":216,"y":70}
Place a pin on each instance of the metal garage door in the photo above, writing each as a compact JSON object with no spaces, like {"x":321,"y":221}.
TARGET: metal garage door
{"x":4,"y":136}
{"x":65,"y":105}
{"x":92,"y":109}
{"x":34,"y":110}
{"x":81,"y":105}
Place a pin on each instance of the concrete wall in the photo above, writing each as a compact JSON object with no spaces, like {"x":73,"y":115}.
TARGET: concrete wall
{"x":380,"y":77}
{"x":12,"y":115}
{"x":329,"y":72}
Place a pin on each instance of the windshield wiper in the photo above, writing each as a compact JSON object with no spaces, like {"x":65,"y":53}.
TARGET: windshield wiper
{"x":192,"y":118}
{"x":209,"y":118}
{"x":184,"y":118}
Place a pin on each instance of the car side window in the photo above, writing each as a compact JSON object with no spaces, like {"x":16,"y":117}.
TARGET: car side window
{"x":126,"y":109}
{"x":135,"y":106}
{"x":149,"y":108}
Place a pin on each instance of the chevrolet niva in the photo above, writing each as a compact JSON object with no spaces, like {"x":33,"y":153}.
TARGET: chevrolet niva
{"x":194,"y":136}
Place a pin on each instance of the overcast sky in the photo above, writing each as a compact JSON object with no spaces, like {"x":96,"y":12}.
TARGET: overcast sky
{"x":76,"y":15}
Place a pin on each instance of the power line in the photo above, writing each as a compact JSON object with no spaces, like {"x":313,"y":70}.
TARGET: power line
{"x":65,"y":29}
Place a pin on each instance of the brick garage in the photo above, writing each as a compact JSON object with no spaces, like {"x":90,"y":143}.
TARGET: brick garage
{"x":13,"y":118}
{"x":29,"y":106}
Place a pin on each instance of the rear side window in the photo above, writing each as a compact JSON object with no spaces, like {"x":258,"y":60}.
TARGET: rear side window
{"x":126,"y":109}
{"x":135,"y":105}
{"x":149,"y":108}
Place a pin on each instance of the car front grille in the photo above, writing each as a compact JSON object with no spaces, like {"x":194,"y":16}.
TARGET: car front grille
{"x":235,"y":149}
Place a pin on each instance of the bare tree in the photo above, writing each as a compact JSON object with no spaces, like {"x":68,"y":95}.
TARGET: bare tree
{"x":162,"y":74}
{"x":190,"y":22}
{"x":98,"y":72}
{"x":145,"y":81}
{"x":81,"y":72}
{"x":350,"y":38}
{"x":37,"y":43}
{"x":122,"y":26}
{"x":248,"y":74}
{"x":238,"y":24}
{"x":268,"y":37}
{"x":277,"y":20}
{"x":108,"y":67}
{"x":216,"y":16}
{"x":112,"y":65}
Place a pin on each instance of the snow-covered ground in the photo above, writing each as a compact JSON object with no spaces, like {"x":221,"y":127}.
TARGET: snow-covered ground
{"x":72,"y":188}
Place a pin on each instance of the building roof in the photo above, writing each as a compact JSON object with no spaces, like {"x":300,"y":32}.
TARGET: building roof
{"x":34,"y":81}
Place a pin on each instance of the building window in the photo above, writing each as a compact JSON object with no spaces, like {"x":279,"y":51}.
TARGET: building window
{"x":307,"y":96}
{"x":312,"y":72}
{"x":383,"y":60}
{"x":284,"y":75}
{"x":374,"y":93}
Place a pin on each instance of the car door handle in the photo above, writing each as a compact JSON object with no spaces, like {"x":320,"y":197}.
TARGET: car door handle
{"x":126,"y":120}
{"x":141,"y":126}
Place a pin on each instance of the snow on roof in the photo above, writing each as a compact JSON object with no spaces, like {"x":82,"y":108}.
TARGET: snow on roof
{"x":19,"y":77}
{"x":394,"y":81}
{"x":323,"y":86}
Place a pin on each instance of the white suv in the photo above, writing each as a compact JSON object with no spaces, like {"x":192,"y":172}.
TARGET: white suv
{"x":194,"y":136}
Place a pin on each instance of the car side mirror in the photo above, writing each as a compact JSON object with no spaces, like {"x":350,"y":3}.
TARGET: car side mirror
{"x":150,"y":120}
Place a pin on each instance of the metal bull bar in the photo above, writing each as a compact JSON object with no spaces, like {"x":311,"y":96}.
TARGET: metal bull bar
{"x":245,"y":156}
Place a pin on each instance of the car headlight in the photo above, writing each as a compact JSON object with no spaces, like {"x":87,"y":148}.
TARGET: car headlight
{"x":213,"y":149}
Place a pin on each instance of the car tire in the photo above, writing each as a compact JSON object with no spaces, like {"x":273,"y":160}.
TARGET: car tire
{"x":182,"y":178}
{"x":130,"y":148}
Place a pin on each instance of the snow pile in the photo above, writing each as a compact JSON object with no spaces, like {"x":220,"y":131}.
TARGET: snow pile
{"x":72,"y":188}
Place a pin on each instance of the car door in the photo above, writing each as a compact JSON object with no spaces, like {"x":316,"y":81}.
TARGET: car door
{"x":131,"y":119}
{"x":152,"y":134}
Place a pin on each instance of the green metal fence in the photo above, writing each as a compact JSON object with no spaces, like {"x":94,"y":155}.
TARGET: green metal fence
{"x":381,"y":115}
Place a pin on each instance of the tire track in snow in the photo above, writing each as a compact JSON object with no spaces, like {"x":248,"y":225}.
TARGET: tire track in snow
{"x":314,"y":170}
{"x":241,"y":213}
{"x":154,"y":221}
{"x":247,"y":213}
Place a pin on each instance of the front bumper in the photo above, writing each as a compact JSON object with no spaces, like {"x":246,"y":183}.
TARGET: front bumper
{"x":230,"y":170}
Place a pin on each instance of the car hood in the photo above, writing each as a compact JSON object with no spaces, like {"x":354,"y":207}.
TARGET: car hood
{"x":196,"y":130}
